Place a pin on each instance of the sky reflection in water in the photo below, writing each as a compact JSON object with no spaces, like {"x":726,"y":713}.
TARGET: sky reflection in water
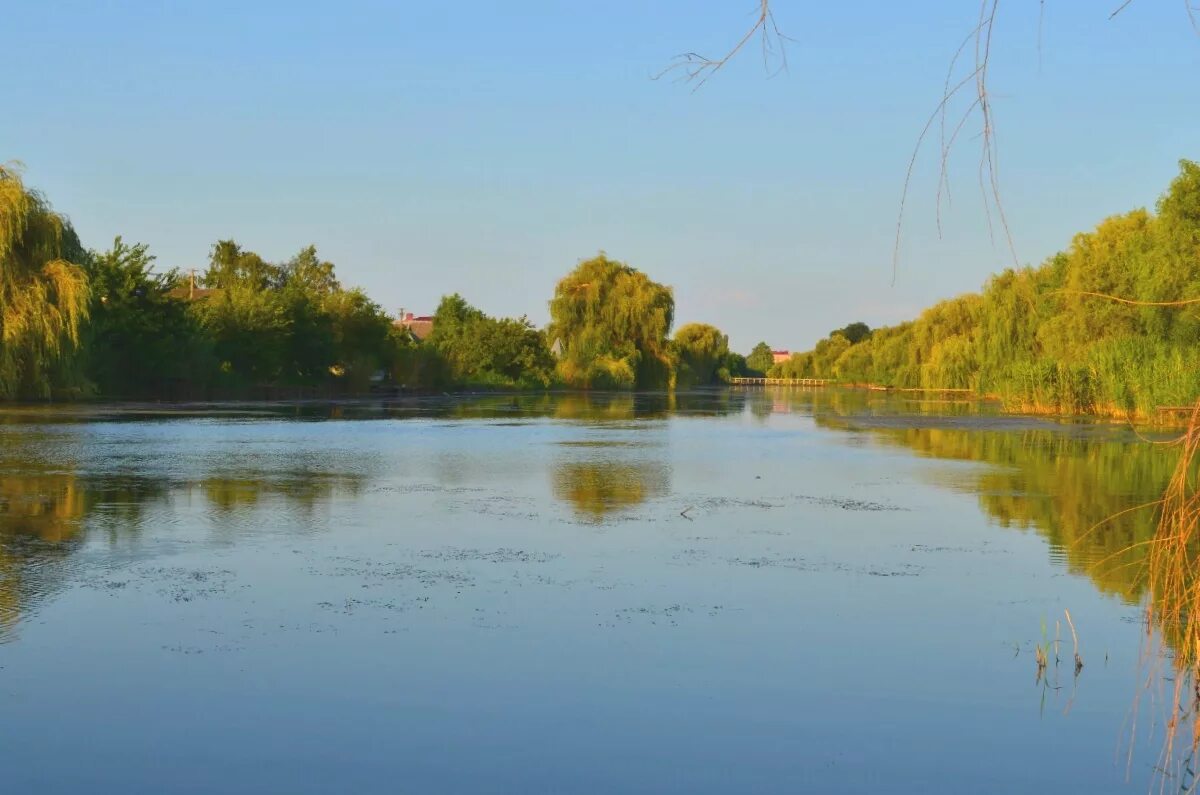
{"x":759,"y":591}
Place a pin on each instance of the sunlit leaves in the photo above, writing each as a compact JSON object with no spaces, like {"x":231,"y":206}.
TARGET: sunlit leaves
{"x":611,"y":323}
{"x":43,"y":291}
{"x":702,"y":355}
{"x":1051,"y":338}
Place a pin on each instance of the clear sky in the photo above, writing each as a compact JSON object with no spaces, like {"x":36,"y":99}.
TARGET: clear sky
{"x":485,"y":147}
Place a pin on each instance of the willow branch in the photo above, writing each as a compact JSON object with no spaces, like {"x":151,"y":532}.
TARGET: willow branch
{"x":691,"y":67}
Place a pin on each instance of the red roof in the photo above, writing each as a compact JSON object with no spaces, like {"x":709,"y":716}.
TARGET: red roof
{"x":421,"y":326}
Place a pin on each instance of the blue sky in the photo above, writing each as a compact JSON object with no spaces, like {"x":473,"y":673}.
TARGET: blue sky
{"x":486,"y":147}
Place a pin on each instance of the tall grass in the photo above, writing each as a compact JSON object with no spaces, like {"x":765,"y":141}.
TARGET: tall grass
{"x":1173,"y":610}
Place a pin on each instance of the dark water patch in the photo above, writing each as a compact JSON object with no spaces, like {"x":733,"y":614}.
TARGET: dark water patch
{"x":370,"y":572}
{"x":425,"y":488}
{"x":717,"y":503}
{"x":847,"y":503}
{"x":503,"y":507}
{"x":926,"y":548}
{"x":663,"y":615}
{"x":796,"y":563}
{"x":777,"y":562}
{"x":691,"y":555}
{"x":844,"y":503}
{"x":188,"y":585}
{"x":602,"y":444}
{"x":350,"y":606}
{"x":502,"y":555}
{"x":180,"y":648}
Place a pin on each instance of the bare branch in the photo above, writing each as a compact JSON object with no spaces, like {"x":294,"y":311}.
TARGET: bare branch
{"x":1130,"y":301}
{"x":989,"y":179}
{"x":1121,"y":8}
{"x":695,"y":68}
{"x":691,"y":67}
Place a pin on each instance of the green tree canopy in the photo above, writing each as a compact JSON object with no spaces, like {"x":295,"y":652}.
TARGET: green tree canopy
{"x":611,"y":323}
{"x":141,"y":340}
{"x":855,"y":332}
{"x":702,"y":353}
{"x":43,"y":290}
{"x":1085,"y":332}
{"x":761,"y":359}
{"x":483,"y":350}
{"x":229,"y":265}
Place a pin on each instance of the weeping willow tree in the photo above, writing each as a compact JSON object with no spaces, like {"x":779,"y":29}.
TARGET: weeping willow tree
{"x":702,"y":354}
{"x":610,"y":323}
{"x":43,"y":295}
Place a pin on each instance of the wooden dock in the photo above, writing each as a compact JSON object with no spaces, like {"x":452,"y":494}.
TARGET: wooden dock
{"x":779,"y":381}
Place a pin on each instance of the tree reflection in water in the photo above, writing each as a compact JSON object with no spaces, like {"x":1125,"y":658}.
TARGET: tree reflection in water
{"x":48,"y":513}
{"x":1113,"y":506}
{"x":600,"y":489}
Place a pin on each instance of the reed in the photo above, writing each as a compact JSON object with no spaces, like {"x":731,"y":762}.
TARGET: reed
{"x":1173,"y":612}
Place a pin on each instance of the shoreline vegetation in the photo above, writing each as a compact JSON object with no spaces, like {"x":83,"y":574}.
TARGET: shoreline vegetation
{"x":1097,"y":330}
{"x":77,"y":324}
{"x":1108,"y":328}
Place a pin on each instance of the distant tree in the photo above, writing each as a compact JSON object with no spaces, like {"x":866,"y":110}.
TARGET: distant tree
{"x":611,"y":322}
{"x":1097,"y":328}
{"x":310,"y":295}
{"x":308,"y":273}
{"x":456,"y":336}
{"x":761,"y":359}
{"x":853,"y":366}
{"x":702,"y":354}
{"x":826,"y":353}
{"x":230,"y":266}
{"x":798,"y":365}
{"x":855,"y":332}
{"x":362,"y":337}
{"x":735,"y":363}
{"x":250,"y":331}
{"x":479,"y":349}
{"x":43,"y":290}
{"x":519,"y":352}
{"x":140,"y":340}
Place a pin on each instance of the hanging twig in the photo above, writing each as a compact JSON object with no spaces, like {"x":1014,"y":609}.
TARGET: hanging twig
{"x":692,"y":67}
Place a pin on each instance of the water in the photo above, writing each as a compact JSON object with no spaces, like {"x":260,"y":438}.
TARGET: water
{"x":738,"y":592}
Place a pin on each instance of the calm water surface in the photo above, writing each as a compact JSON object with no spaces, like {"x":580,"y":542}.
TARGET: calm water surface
{"x":740,"y":592}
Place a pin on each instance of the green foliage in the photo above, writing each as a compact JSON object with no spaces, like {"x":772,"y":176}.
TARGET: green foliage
{"x":292,"y":324}
{"x":702,"y":355}
{"x":142,"y":341}
{"x":736,"y":365}
{"x":257,"y":327}
{"x":485,"y":351}
{"x":43,"y":291}
{"x":229,"y":266}
{"x":817,"y":363}
{"x":855,"y":332}
{"x":760,"y":360}
{"x":362,"y":337}
{"x":1048,"y":338}
{"x":250,"y":329}
{"x":611,"y":323}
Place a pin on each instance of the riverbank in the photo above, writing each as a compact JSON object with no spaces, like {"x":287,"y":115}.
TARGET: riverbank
{"x":1161,"y":416}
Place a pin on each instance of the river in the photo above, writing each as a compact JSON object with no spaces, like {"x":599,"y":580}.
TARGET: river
{"x":747,"y":591}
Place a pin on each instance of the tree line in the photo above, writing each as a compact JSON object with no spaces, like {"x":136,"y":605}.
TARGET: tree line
{"x":1109,"y":326}
{"x":76,"y":322}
